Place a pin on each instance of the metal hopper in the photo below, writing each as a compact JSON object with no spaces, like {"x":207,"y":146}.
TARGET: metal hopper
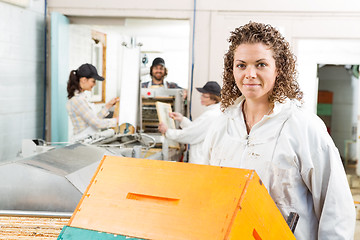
{"x":52,"y":181}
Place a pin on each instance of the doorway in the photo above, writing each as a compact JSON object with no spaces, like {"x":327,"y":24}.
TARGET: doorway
{"x":337,"y":106}
{"x":164,"y":38}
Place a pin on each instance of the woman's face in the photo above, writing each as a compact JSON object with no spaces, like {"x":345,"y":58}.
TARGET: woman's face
{"x":87,"y":84}
{"x":206,"y":100}
{"x":254,"y":71}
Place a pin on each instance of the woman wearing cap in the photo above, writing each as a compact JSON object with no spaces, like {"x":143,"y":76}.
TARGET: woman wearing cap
{"x":193,"y":132}
{"x":83,"y":118}
{"x":265,"y":128}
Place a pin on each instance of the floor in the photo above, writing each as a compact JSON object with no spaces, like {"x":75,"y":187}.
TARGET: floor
{"x":354,"y":182}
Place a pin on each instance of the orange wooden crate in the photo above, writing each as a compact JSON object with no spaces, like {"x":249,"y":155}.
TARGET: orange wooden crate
{"x":325,"y":97}
{"x":154,"y":199}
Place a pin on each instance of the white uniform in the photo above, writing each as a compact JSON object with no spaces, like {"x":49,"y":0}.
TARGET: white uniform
{"x":298,"y":162}
{"x":194,"y":132}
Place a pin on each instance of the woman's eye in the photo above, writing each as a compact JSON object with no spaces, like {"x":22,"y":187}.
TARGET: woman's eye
{"x":261,"y":65}
{"x":241,"y":66}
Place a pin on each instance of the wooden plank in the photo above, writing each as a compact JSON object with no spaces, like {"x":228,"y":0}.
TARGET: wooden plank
{"x":102,"y":38}
{"x":31,"y":228}
{"x":163,"y":110}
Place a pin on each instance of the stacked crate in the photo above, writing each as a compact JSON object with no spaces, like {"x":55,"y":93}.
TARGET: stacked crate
{"x":324,"y":107}
{"x":132,"y":198}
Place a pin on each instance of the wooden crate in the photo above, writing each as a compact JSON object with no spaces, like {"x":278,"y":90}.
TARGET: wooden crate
{"x":325,"y":97}
{"x":151,"y":199}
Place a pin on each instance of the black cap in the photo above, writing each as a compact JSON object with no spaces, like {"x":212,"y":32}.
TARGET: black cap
{"x":158,"y":61}
{"x":210,"y":87}
{"x":89,"y":71}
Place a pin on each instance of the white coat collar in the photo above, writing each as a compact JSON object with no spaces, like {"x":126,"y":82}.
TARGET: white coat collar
{"x":259,"y":133}
{"x":213,"y":106}
{"x":233,"y":110}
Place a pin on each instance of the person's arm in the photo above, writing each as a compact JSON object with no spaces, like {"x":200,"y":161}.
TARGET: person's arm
{"x":194,"y":132}
{"x":326,"y":180}
{"x":208,"y":144}
{"x":105,"y":109}
{"x":83,"y":110}
{"x":184,"y":121}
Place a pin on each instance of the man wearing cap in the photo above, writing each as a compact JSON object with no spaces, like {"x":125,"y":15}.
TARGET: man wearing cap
{"x":83,"y":118}
{"x":158,"y":72}
{"x":194,"y":132}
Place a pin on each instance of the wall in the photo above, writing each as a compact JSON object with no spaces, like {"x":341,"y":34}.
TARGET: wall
{"x":337,"y":79}
{"x":22,"y":75}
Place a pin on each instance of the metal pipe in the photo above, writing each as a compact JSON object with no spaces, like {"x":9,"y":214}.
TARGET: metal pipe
{"x":16,"y":213}
{"x":45,"y":70}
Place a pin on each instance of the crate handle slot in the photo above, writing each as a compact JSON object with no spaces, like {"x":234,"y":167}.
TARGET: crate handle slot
{"x":152,"y":199}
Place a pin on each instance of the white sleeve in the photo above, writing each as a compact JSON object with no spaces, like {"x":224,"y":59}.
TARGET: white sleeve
{"x":185,"y":122}
{"x":194,"y":132}
{"x":332,"y":198}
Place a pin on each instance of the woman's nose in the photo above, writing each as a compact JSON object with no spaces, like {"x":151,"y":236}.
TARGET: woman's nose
{"x":250,"y":72}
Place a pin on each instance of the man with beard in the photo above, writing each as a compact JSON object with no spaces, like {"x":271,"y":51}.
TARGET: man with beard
{"x":158,"y":72}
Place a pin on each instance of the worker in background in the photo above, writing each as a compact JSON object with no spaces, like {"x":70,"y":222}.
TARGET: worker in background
{"x":193,"y":132}
{"x":265,"y":128}
{"x":158,"y":72}
{"x":83,"y":118}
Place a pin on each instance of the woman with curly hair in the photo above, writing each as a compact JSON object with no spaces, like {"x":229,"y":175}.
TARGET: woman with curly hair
{"x":264,"y":128}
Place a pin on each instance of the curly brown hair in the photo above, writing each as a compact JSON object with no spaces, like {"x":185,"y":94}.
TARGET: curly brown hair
{"x":285,"y":86}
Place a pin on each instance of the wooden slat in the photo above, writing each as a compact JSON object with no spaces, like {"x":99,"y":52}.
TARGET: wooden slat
{"x":31,"y":227}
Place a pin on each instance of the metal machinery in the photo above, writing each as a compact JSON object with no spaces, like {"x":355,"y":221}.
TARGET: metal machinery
{"x":51,"y":183}
{"x":149,"y":119}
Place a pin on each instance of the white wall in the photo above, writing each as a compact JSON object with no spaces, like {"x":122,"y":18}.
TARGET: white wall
{"x":22,"y":75}
{"x":79,"y":45}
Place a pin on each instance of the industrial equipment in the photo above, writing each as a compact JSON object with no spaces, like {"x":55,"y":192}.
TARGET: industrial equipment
{"x":150,"y":96}
{"x":52,"y":182}
{"x":149,"y":118}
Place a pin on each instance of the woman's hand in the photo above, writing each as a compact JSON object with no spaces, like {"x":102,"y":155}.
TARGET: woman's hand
{"x":162,"y":128}
{"x":112,"y":102}
{"x":176,"y":116}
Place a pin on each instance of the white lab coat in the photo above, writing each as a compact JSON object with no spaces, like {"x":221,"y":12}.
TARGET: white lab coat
{"x":194,"y":132}
{"x":298,"y":162}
